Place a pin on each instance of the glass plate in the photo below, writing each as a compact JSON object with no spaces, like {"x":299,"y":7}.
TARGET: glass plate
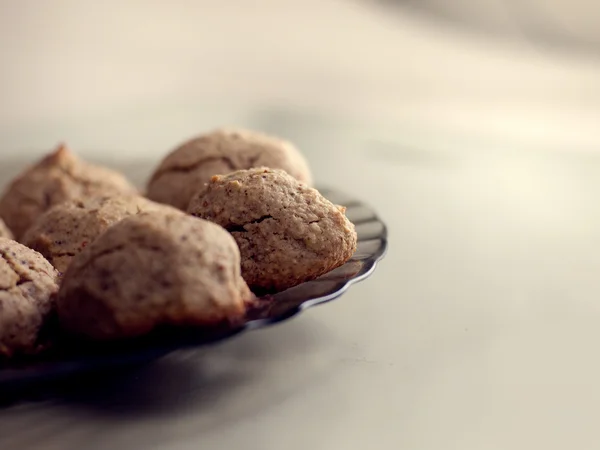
{"x":372,"y":245}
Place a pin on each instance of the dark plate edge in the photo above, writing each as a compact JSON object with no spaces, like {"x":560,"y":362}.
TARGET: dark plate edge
{"x":67,"y":368}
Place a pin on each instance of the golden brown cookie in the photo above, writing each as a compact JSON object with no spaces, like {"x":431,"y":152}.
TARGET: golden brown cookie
{"x":191,"y":165}
{"x":163,"y":268}
{"x":4,"y":231}
{"x":288,"y":233}
{"x":58,"y":177}
{"x":67,"y":228}
{"x":28,"y":284}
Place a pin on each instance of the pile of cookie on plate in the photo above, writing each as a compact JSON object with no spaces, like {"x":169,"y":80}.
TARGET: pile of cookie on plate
{"x":226,"y":216}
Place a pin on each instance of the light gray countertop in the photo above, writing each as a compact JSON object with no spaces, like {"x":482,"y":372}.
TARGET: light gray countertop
{"x":478,"y":331}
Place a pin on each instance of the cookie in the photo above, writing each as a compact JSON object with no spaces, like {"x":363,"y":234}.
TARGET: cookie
{"x":155,"y":269}
{"x":287,"y":232}
{"x":67,"y":228}
{"x":28,"y":284}
{"x":4,"y":231}
{"x":58,"y":177}
{"x":191,"y":165}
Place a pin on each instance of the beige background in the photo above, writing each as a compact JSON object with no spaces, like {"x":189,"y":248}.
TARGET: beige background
{"x":79,"y":69}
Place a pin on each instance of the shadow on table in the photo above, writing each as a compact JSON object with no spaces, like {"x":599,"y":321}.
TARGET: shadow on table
{"x":205,"y":376}
{"x":158,"y":385}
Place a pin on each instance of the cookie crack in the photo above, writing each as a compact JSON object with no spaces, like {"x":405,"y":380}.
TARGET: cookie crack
{"x":23,"y":278}
{"x":61,"y":254}
{"x":242,"y":228}
{"x":99,"y":255}
{"x":189,"y":168}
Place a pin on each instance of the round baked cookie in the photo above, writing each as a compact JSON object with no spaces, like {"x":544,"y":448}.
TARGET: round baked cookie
{"x":190,"y":166}
{"x":287,"y":232}
{"x":161,"y":268}
{"x":67,"y":228}
{"x":58,"y":177}
{"x":28,"y":284}
{"x":4,"y":231}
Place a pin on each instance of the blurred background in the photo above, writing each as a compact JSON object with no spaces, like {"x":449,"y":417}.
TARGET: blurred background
{"x":138,"y":76}
{"x":471,"y":126}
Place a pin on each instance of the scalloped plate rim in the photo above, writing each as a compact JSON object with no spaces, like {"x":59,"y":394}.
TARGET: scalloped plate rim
{"x":57,"y":369}
{"x":263,"y":323}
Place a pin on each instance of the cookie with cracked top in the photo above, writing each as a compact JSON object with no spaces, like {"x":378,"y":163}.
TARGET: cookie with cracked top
{"x":187,"y":168}
{"x":153,"y":270}
{"x":28,"y":284}
{"x":287,"y":232}
{"x":58,"y":177}
{"x":4,"y":231}
{"x":67,"y":228}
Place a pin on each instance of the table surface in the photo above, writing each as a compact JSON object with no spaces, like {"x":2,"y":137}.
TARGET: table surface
{"x":477,"y":331}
